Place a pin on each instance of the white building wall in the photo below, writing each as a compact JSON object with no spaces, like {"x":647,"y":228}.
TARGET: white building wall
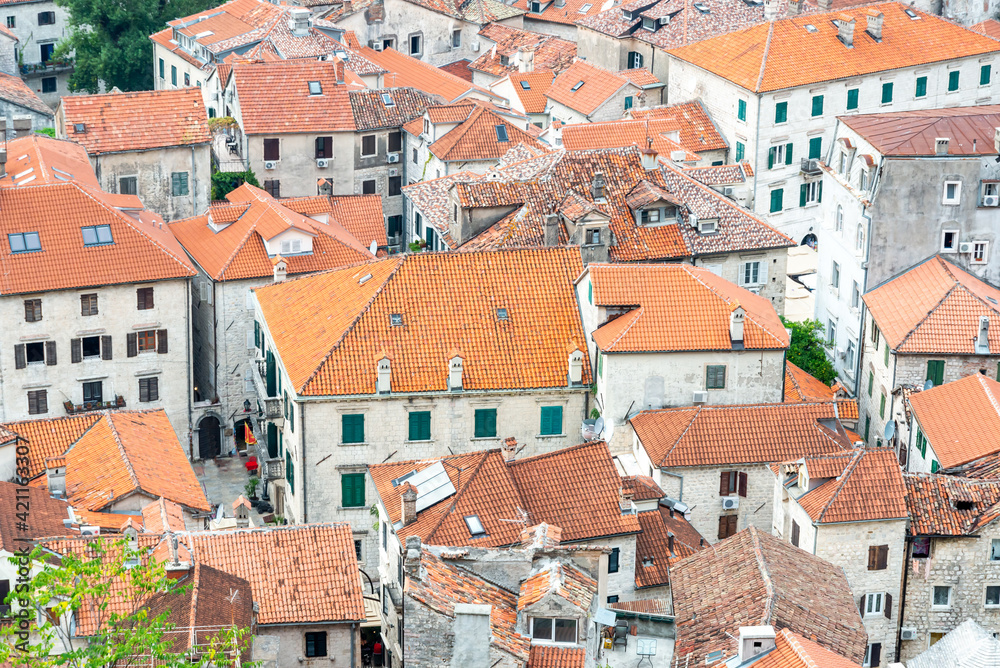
{"x":31,"y":36}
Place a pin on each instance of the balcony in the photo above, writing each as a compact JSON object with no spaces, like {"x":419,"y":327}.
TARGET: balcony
{"x":46,"y":68}
{"x":810,"y":167}
{"x":272,"y":405}
{"x":87,"y":407}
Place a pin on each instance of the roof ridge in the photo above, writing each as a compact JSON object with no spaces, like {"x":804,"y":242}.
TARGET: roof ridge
{"x":927,"y":315}
{"x":553,"y":453}
{"x":682,"y":435}
{"x":758,"y":553}
{"x":634,"y":318}
{"x":763,"y":58}
{"x":842,"y":479}
{"x":192,"y":619}
{"x":240,"y":246}
{"x":747,"y":314}
{"x":989,"y":394}
{"x":799,"y":650}
{"x":458,"y":495}
{"x":121,"y":448}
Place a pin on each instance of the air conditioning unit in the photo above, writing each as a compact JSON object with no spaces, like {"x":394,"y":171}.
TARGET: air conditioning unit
{"x":965,"y":247}
{"x":754,"y":289}
{"x":270,"y":164}
{"x":907,"y":634}
{"x":392,"y":157}
{"x":376,"y":44}
{"x":700,"y":397}
{"x":730,"y":502}
{"x":991,"y":200}
{"x":393,"y":171}
{"x":322,"y":163}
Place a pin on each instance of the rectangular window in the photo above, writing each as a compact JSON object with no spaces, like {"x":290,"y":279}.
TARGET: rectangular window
{"x":815,"y":148}
{"x":551,"y":421}
{"x":817,"y":105}
{"x":871,"y":381}
{"x":162,"y":69}
{"x":779,"y":155}
{"x":985,"y":74}
{"x":187,"y":79}
{"x":352,"y":487}
{"x":634,"y":60}
{"x":715,"y":377}
{"x":316,"y":643}
{"x":128,"y":185}
{"x":921,"y":444}
{"x":741,"y":110}
{"x":32,"y":310}
{"x":810,"y":193}
{"x":740,"y":150}
{"x":852,"y":99}
{"x":995,"y":549}
{"x":953,"y":80}
{"x":941,"y":597}
{"x":24,"y":242}
{"x":835,"y":275}
{"x":416,"y":42}
{"x":149,"y":389}
{"x":173,"y":75}
{"x":395,"y":186}
{"x":855,"y":295}
{"x":368,"y":187}
{"x":992,"y":596}
{"x":614,"y":560}
{"x":593,"y":236}
{"x":395,"y":142}
{"x":92,"y":392}
{"x":781,"y":112}
{"x":97,"y":235}
{"x":368,"y":146}
{"x":88,"y":304}
{"x":456,"y":39}
{"x":46,"y":18}
{"x":873,"y":655}
{"x":486,"y":422}
{"x":146,"y":341}
{"x":324,"y":147}
{"x":831,"y":332}
{"x":921,"y":90}
{"x":11,"y":21}
{"x":273,"y":187}
{"x":38,"y":402}
{"x":886,"y":360}
{"x":179,"y":184}
{"x":628,"y":102}
{"x":887,"y":92}
{"x":935,"y":372}
{"x":952,"y":192}
{"x":353,"y":428}
{"x":795,"y":533}
{"x":420,"y":425}
{"x":90,"y":346}
{"x":272,"y":149}
{"x":873,"y":604}
{"x":49,"y":84}
{"x":878,"y":557}
{"x":979,"y":252}
{"x":881,"y":406}
{"x":777,"y":195}
{"x":144,"y":298}
{"x":553,"y":630}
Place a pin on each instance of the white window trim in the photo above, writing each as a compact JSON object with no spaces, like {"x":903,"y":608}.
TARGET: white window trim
{"x":877,"y":610}
{"x":561,"y":643}
{"x":986,"y":252}
{"x":954,"y":249}
{"x":958,"y":193}
{"x":941,"y":607}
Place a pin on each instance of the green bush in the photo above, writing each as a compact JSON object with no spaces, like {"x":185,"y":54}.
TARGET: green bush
{"x":808,"y":349}
{"x":224,"y":183}
{"x":51,"y":132}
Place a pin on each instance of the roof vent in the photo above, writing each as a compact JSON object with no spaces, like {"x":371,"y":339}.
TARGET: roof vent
{"x":576,"y":86}
{"x":364,"y":279}
{"x":983,"y":340}
{"x":941,"y":146}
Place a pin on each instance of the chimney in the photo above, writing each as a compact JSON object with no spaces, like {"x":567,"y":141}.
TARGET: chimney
{"x":280,"y":269}
{"x":845,"y":26}
{"x":575,"y":365}
{"x":875,"y":19}
{"x":455,"y":372}
{"x":736,"y":326}
{"x":983,"y":340}
{"x":649,"y":157}
{"x":408,"y":503}
{"x":22,"y":126}
{"x":625,"y":497}
{"x":509,"y":449}
{"x":176,"y":568}
{"x":551,"y":229}
{"x":598,"y":186}
{"x":670,"y":543}
{"x":472,"y":625}
{"x":941,"y":146}
{"x":824,"y":5}
{"x":755,"y":640}
{"x":411,"y":562}
{"x":770,"y":10}
{"x":383,"y":382}
{"x":338,"y":70}
{"x":55,"y":474}
{"x":678,"y":155}
{"x":298,"y":21}
{"x":526,"y":59}
{"x":794,"y":7}
{"x":241,"y":508}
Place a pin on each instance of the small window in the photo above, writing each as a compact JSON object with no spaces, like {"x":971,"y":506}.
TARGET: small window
{"x":501,"y":131}
{"x":873,"y":655}
{"x":420,"y":426}
{"x":985,"y":74}
{"x":32,"y":310}
{"x":93,"y":393}
{"x":873,"y":604}
{"x":187,"y":79}
{"x":576,"y":86}
{"x":835,"y":275}
{"x":179,"y":184}
{"x":551,"y":421}
{"x":750,"y":273}
{"x":395,"y":142}
{"x":162,"y":69}
{"x":368,"y":147}
{"x":396,"y":319}
{"x":502,"y":314}
{"x":128,"y":185}
{"x":324,"y":147}
{"x":353,"y":428}
{"x":97,"y":235}
{"x":395,"y":186}
{"x":815,"y":148}
{"x":272,"y":149}
{"x":780,"y":112}
{"x":817,"y":105}
{"x":993,"y":596}
{"x":144,"y":299}
{"x":273,"y":187}
{"x":90,"y":346}
{"x":456,"y":39}
{"x":980,"y":252}
{"x":614,"y":560}
{"x":634,"y":57}
{"x":593,"y":236}
{"x":941,"y":597}
{"x":554,"y":630}
{"x":352,"y":487}
{"x":387,"y":100}
{"x":359,"y":550}
{"x":878,"y":557}
{"x":49,"y":84}
{"x":146,"y":341}
{"x":476,"y":529}
{"x":839,"y":220}
{"x":921,"y":87}
{"x":952,"y":192}
{"x":740,"y":151}
{"x":852,"y":99}
{"x":88,"y":304}
{"x":368,"y":187}
{"x":315,"y":88}
{"x":38,"y":402}
{"x":831,"y":333}
{"x":485,"y":423}
{"x":35,"y":352}
{"x":628,"y":102}
{"x":741,"y":110}
{"x":173,"y":75}
{"x":715,"y":377}
{"x":855,"y":295}
{"x":887,"y":92}
{"x":921,"y":547}
{"x":416,"y":44}
{"x":149,"y":389}
{"x":11,"y":21}
{"x":24,"y":242}
{"x":525,"y":85}
{"x":315,"y":643}
{"x":46,"y":18}
{"x":953,"y":77}
{"x":949,"y":241}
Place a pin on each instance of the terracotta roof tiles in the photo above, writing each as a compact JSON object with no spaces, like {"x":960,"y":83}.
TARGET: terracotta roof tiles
{"x":530,"y":88}
{"x":402,"y":70}
{"x":50,"y":437}
{"x":547,"y":656}
{"x":14,"y":90}
{"x":571,"y":11}
{"x":933,"y":504}
{"x":45,"y":516}
{"x":976,"y":399}
{"x":598,"y":85}
{"x":989,"y":27}
{"x":558,"y":578}
{"x":869,"y":486}
{"x":478,"y":138}
{"x":459,"y":68}
{"x":801,"y":386}
{"x":914,"y":133}
{"x":372,"y":112}
{"x":549,"y":53}
{"x":791,"y":650}
{"x":162,"y":516}
{"x":653,"y":556}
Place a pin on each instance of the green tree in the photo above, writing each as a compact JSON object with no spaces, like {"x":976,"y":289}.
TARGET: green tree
{"x":109,"y":39}
{"x":808,"y":349}
{"x":113,"y":590}
{"x":224,"y":183}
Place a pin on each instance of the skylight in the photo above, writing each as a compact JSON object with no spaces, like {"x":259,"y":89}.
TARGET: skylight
{"x":501,"y":133}
{"x":396,"y":319}
{"x":387,"y":100}
{"x":97,"y":235}
{"x":24,"y":242}
{"x":811,"y":28}
{"x":912,"y":14}
{"x":79,"y":128}
{"x":315,"y":88}
{"x":701,"y":7}
{"x":584,"y":9}
{"x":475,"y":526}
{"x":576,"y":86}
{"x":501,"y":314}
{"x":525,"y":85}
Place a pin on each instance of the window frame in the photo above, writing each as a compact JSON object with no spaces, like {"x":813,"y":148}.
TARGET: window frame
{"x":316,"y":635}
{"x":150,"y":389}
{"x":977,"y":257}
{"x":143,"y":339}
{"x":939,"y":606}
{"x":365,"y":185}
{"x":373,"y":138}
{"x":712,"y":381}
{"x":852,"y":98}
{"x":96,"y":231}
{"x":952,"y":201}
{"x":551,"y":411}
{"x":352,"y":424}
{"x":40,"y":400}
{"x":89,"y":304}
{"x":920,"y":87}
{"x":874,"y":610}
{"x":356,"y":477}
{"x":777,"y":204}
{"x":271,"y":146}
{"x":485,"y":423}
{"x":954,"y":81}
{"x":416,"y":427}
{"x":419,"y":51}
{"x":553,"y":622}
{"x":180,"y":184}
{"x":817,"y":102}
{"x":24,"y":238}
{"x":887,"y":87}
{"x":986,"y":598}
{"x":780,"y":112}
{"x":741,"y":110}
{"x":145,"y":299}
{"x":985,"y":74}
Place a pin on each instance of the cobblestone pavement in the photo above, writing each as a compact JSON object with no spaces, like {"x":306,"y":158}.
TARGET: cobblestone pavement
{"x":223,"y":480}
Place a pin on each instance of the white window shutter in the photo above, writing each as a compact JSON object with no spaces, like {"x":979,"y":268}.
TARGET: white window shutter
{"x":249,"y":300}
{"x":248,"y":381}
{"x":741,"y":276}
{"x":250,"y":342}
{"x":763,"y":272}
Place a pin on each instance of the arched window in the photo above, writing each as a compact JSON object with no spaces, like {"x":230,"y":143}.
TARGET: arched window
{"x":840,"y":218}
{"x":860,"y":243}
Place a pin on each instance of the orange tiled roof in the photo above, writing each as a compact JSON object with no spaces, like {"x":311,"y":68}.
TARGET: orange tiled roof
{"x":372,"y":113}
{"x":477,"y":138}
{"x":571,"y":11}
{"x":932,"y":500}
{"x":914,"y":133}
{"x":801,"y":386}
{"x":934,"y":307}
{"x":764,"y":58}
{"x":402,"y":70}
{"x":319,"y":579}
{"x":586,"y":507}
{"x":642,"y":487}
{"x":989,"y":27}
{"x":687,"y":125}
{"x":335,"y":349}
{"x":533,"y":97}
{"x":641,"y":77}
{"x":252,"y":216}
{"x":108,"y":522}
{"x":652,"y":606}
{"x":678,"y":307}
{"x":459,"y":68}
{"x":976,"y":399}
{"x":130,"y":452}
{"x":138,"y":121}
{"x":791,"y":650}
{"x":653,"y":557}
{"x":50,"y":437}
{"x":752,"y":579}
{"x":14,"y":90}
{"x":755,"y":433}
{"x":547,"y":656}
{"x":598,"y":86}
{"x":36,"y":159}
{"x":46,"y":516}
{"x":549,"y":53}
{"x":274,"y":97}
{"x":869,"y":486}
{"x":162,"y":516}
{"x":558,"y":578}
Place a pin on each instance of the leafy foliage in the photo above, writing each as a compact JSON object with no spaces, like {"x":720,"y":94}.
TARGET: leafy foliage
{"x":114,"y":586}
{"x":109,"y":39}
{"x":808,"y":349}
{"x":51,"y":132}
{"x":224,"y":183}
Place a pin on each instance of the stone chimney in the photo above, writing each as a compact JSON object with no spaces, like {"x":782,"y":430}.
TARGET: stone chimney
{"x":338,"y":70}
{"x":411,"y":561}
{"x":241,"y":509}
{"x":298,"y":21}
{"x":176,"y":568}
{"x":551,"y":229}
{"x":408,"y":503}
{"x":22,"y":126}
{"x":670,"y":543}
{"x":472,"y":625}
{"x":509,"y":449}
{"x":736,"y":326}
{"x":755,"y":640}
{"x":845,"y":27}
{"x":598,"y":186}
{"x":455,"y":371}
{"x":941,"y":146}
{"x":649,"y":157}
{"x":625,"y":497}
{"x":280,"y":269}
{"x":575,"y":365}
{"x":541,"y":536}
{"x":875,"y":19}
{"x":983,"y":339}
{"x":526,"y":59}
{"x":824,"y":5}
{"x":55,"y":475}
{"x":794,"y":7}
{"x":383,"y":382}
{"x":770,"y":10}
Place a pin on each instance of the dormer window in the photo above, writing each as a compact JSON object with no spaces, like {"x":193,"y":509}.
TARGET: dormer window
{"x":396,"y":319}
{"x":504,"y":60}
{"x":627,"y":15}
{"x":79,"y":128}
{"x":708,"y":226}
{"x":649,"y":216}
{"x":291,"y":246}
{"x":475,"y":526}
{"x":649,"y":24}
{"x":315,"y":88}
{"x":501,"y":131}
{"x":501,"y":314}
{"x":553,"y":630}
{"x":576,"y":86}
{"x":536,"y":8}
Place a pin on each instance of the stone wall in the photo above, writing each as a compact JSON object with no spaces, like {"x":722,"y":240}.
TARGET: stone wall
{"x":292,"y":644}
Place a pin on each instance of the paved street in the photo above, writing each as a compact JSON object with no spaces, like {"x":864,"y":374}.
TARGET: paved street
{"x":223,"y":480}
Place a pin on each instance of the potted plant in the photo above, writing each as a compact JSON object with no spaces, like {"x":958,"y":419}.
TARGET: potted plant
{"x":251,"y":490}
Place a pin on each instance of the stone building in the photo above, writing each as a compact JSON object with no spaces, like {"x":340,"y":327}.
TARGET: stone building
{"x":21,"y":110}
{"x":369,"y":365}
{"x":713,"y":343}
{"x":801,"y":386}
{"x":238,"y":245}
{"x":399,"y":69}
{"x":8,"y":52}
{"x":714,"y":461}
{"x":930,"y":323}
{"x":779,"y":114}
{"x":870,"y":176}
{"x":584,"y":93}
{"x":152,"y":144}
{"x":850,"y":509}
{"x":953,"y":548}
{"x":97,"y":294}
{"x":39,"y":25}
{"x":508,"y":50}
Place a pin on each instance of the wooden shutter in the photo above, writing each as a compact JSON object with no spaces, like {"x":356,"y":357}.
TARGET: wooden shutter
{"x":875,"y":657}
{"x":132,"y":344}
{"x":75,"y":351}
{"x":29,"y":311}
{"x":883,"y":557}
{"x":413,"y":427}
{"x":106,"y":347}
{"x":861,"y":604}
{"x":50,"y":353}
{"x":20,"y":361}
{"x":770,"y":158}
{"x":802,"y":194}
{"x":742,"y":484}
{"x":873,"y":558}
{"x":788,"y":154}
{"x":154,"y":389}
{"x":143,"y":389}
{"x":732,"y":519}
{"x":724,"y":483}
{"x":723,"y":527}
{"x":795,"y":533}
{"x":887,"y":608}
{"x":43,"y":401}
{"x":491,"y":422}
{"x":161,"y":341}
{"x":272,"y":440}
{"x":140,"y":299}
{"x":32,"y":403}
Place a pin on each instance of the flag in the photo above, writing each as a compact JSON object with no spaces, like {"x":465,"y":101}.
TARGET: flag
{"x":248,"y":435}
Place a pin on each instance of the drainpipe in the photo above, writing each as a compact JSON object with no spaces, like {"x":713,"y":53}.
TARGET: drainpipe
{"x":756,"y":155}
{"x":194,"y":184}
{"x":190,"y":367}
{"x":353,"y":641}
{"x":680,"y":494}
{"x":305,"y":506}
{"x":902,"y":591}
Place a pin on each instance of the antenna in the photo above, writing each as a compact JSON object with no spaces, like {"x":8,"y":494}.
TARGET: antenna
{"x":928,"y":384}
{"x":599,"y":426}
{"x":890,"y":430}
{"x":373,"y":247}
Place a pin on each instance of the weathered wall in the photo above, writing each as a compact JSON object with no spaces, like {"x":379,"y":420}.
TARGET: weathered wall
{"x":153,"y":170}
{"x":292,"y":645}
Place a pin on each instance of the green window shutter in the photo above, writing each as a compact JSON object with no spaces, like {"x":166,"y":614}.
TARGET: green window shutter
{"x":788,"y":154}
{"x":272,"y":440}
{"x":353,"y":428}
{"x":777,"y":195}
{"x":953,"y":80}
{"x":935,"y":372}
{"x":921,"y":87}
{"x":272,"y":381}
{"x":741,"y":110}
{"x":852,"y":99}
{"x":817,"y":105}
{"x":590,"y":292}
{"x":868,"y":424}
{"x":781,"y":112}
{"x":256,"y":334}
{"x":770,"y":157}
{"x":486,"y":422}
{"x":934,"y":466}
{"x":552,"y":417}
{"x":291,"y":416}
{"x":887,"y":92}
{"x":871,"y":382}
{"x":740,"y":148}
{"x":628,"y":102}
{"x":881,"y":406}
{"x":802,"y":194}
{"x":985,"y":74}
{"x":815,"y":148}
{"x":600,"y":365}
{"x":998,"y":370}
{"x":352,"y":490}
{"x":921,"y":443}
{"x":715,"y":377}
{"x":420,"y":426}
{"x":290,"y":472}
{"x":887,"y":354}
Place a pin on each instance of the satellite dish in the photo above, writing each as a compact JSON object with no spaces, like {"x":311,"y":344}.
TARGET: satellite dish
{"x":928,"y":384}
{"x":890,"y":430}
{"x":599,"y":426}
{"x":373,"y":247}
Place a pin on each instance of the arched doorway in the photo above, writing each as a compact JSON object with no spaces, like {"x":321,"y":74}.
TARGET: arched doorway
{"x":809,"y":240}
{"x":209,"y":437}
